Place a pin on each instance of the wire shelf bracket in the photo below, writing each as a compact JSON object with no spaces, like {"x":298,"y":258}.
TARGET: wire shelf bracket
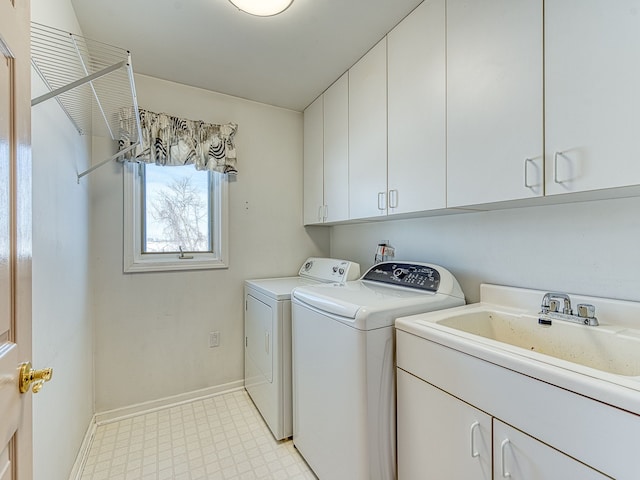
{"x":91,"y":81}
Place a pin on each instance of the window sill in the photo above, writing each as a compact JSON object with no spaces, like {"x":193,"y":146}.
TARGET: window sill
{"x":172,"y":264}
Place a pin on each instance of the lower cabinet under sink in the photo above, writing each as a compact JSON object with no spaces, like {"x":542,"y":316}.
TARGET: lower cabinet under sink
{"x":468,"y":410}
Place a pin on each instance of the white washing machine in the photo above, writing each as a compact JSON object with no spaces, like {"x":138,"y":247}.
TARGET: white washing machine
{"x":343,"y":365}
{"x":267,"y":326}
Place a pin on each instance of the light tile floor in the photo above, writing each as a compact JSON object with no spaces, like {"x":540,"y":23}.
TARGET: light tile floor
{"x":221,"y":437}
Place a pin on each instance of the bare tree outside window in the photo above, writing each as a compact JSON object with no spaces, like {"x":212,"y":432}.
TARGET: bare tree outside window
{"x":177,"y":210}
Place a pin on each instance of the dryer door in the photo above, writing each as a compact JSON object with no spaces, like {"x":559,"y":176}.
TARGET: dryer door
{"x":258,"y":341}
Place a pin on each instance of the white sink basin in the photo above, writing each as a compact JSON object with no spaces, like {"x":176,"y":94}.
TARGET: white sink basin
{"x":605,"y":347}
{"x":574,"y":387}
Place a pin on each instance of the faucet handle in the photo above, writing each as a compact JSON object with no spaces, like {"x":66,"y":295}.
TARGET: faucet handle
{"x":551,"y":303}
{"x":586,"y":311}
{"x":554,"y":305}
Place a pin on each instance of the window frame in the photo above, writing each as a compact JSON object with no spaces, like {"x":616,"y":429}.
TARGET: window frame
{"x":136,"y":261}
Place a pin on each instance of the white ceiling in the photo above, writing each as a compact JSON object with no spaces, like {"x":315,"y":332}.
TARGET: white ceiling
{"x":286,"y":60}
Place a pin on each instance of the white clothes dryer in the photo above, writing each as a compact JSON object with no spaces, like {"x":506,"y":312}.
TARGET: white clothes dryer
{"x":267,"y":326}
{"x":343,"y":365}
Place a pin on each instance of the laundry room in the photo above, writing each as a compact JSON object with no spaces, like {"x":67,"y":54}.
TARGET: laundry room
{"x":328,"y":154}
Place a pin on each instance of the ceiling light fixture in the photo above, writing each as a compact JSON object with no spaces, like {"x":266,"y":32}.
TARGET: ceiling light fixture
{"x":262,"y":8}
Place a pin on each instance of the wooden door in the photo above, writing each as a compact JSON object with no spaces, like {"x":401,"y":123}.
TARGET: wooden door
{"x":15,"y":238}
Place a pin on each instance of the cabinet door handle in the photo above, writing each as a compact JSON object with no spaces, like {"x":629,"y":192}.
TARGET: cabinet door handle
{"x":382,"y":202}
{"x":526,"y":173}
{"x":503,"y":467}
{"x":393,"y":198}
{"x":325,"y":212}
{"x":320,"y":213}
{"x":555,"y":166}
{"x":474,"y":452}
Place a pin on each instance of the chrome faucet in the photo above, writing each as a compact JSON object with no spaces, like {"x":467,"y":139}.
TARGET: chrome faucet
{"x":551,"y":303}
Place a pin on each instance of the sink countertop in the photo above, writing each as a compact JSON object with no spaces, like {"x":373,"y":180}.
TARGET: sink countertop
{"x":617,"y":390}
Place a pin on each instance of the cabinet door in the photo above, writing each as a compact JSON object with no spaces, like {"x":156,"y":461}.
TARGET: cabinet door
{"x":313,"y":163}
{"x":336,"y":150}
{"x":440,"y":436}
{"x":592,"y":76}
{"x":521,"y":457}
{"x":368,"y":134}
{"x":417,"y":110}
{"x":494,"y":101}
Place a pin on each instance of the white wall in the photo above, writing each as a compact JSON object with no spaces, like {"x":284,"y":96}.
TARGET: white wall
{"x":590,"y":248}
{"x":152,"y":328}
{"x":62,"y":327}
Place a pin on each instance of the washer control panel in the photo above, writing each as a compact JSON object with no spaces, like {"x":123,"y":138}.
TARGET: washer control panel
{"x":411,"y":275}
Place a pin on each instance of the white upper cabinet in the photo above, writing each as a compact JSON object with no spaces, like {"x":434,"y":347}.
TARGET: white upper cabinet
{"x":336,"y":150}
{"x":368,"y":134}
{"x":417,"y":110}
{"x":494,"y":100}
{"x":592,"y":89}
{"x":313,"y":163}
{"x":477,"y":104}
{"x":326,"y":156}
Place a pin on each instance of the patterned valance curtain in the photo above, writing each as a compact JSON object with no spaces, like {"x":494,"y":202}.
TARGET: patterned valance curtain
{"x":168,"y":140}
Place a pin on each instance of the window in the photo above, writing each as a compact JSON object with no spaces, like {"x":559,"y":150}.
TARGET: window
{"x":175,"y":218}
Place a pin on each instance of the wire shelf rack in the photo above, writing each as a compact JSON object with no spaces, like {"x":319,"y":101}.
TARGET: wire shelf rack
{"x":92,"y":81}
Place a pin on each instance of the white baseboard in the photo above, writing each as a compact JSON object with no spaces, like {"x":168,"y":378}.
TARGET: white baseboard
{"x":154,"y":405}
{"x":83,"y":453}
{"x":140,"y":409}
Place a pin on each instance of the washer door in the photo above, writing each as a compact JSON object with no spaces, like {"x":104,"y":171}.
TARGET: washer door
{"x":258,"y":341}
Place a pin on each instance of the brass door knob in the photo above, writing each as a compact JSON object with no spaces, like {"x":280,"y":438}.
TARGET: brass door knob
{"x":34,"y":378}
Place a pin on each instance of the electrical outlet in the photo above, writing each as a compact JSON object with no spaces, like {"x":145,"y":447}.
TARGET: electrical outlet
{"x":214,"y":339}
